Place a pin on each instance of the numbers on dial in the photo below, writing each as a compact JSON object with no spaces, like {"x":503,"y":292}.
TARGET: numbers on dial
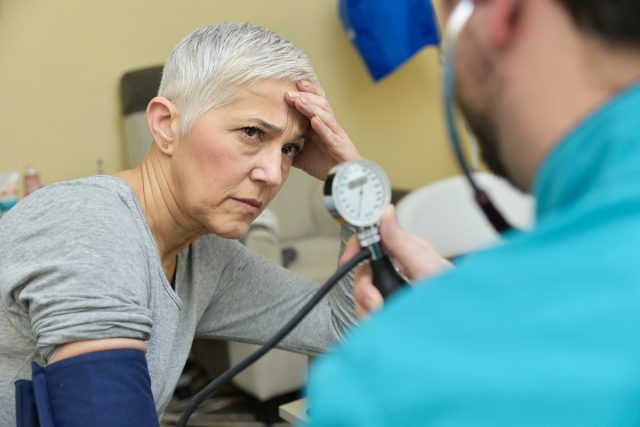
{"x":361,"y":192}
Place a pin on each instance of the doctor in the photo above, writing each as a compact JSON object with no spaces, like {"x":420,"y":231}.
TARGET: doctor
{"x":542,"y":330}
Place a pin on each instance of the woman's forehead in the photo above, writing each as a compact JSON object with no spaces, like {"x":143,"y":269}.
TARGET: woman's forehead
{"x":273,"y":90}
{"x":265,"y":100}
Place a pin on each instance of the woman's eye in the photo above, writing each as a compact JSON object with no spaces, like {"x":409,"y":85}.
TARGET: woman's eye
{"x":291,"y":150}
{"x":252,"y":131}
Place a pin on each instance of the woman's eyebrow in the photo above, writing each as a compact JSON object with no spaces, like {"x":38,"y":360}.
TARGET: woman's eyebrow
{"x":274,"y":129}
{"x":269,"y":127}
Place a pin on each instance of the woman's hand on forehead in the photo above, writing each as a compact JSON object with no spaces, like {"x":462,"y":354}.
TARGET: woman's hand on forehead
{"x":326,"y":143}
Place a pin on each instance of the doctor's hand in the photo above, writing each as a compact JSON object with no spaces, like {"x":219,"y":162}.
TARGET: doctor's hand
{"x":326,"y":143}
{"x":413,"y":256}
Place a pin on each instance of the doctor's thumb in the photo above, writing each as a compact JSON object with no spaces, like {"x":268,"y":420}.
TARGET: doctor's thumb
{"x":390,"y":229}
{"x":397,"y":242}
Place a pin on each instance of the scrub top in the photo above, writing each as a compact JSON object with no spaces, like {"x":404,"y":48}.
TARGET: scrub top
{"x":543,"y":330}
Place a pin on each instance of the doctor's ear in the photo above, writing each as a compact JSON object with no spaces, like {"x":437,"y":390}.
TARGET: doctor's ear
{"x":504,"y":20}
{"x":163,"y":119}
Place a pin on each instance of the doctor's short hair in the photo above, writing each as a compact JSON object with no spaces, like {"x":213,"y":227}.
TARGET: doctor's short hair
{"x":209,"y":65}
{"x":615,"y":21}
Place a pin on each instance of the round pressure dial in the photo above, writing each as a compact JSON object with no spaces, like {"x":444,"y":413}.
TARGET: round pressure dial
{"x":356,"y":192}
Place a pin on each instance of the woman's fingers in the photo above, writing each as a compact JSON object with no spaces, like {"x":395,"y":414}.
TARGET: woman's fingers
{"x":307,"y":86}
{"x":309,"y":104}
{"x":326,"y":143}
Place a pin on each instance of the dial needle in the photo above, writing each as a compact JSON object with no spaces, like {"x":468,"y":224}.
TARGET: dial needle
{"x":360,"y":201}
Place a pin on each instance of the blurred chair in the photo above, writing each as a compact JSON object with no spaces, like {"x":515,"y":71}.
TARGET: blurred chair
{"x":445,"y":214}
{"x":137,"y":88}
{"x":309,"y":235}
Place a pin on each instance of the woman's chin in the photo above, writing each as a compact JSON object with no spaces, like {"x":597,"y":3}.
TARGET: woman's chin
{"x":236,"y":231}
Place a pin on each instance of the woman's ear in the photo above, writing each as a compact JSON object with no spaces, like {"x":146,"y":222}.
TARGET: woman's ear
{"x":164,"y":123}
{"x":504,"y":21}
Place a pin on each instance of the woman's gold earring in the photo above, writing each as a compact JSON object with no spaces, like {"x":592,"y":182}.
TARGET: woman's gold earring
{"x":165,"y":145}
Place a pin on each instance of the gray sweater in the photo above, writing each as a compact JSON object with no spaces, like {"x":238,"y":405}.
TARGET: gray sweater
{"x":78,"y":261}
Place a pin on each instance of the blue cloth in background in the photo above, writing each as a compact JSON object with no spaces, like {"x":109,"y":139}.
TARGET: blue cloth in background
{"x":387,"y":33}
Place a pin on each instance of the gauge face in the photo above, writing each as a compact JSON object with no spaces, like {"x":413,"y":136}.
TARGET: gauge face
{"x":360,"y":192}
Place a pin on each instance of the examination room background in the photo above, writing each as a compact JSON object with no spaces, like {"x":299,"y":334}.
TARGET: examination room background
{"x":61,"y":62}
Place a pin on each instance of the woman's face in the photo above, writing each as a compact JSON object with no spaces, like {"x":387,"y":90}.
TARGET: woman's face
{"x":235,"y":158}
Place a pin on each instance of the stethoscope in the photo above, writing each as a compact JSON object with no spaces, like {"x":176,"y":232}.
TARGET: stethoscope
{"x":356,"y":194}
{"x":457,"y":22}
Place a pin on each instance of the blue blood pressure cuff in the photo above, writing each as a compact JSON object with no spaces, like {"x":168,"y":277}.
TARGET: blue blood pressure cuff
{"x":106,"y":388}
{"x":387,"y":33}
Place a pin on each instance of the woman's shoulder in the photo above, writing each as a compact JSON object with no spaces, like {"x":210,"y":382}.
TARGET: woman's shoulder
{"x":100,"y":189}
{"x":99,"y":194}
{"x":80,"y":228}
{"x":100,"y":203}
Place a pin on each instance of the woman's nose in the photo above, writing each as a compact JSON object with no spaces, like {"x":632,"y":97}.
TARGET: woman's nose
{"x":268,"y":168}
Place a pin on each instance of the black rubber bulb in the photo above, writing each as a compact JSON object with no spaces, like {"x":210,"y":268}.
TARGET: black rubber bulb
{"x":385,"y":276}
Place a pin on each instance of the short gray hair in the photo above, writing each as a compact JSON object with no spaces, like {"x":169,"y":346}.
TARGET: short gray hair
{"x":207,"y":67}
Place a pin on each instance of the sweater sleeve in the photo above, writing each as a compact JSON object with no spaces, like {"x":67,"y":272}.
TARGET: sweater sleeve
{"x":72,"y":268}
{"x":255,"y":297}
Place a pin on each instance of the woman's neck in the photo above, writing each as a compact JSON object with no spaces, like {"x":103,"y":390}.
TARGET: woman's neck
{"x":171,"y":230}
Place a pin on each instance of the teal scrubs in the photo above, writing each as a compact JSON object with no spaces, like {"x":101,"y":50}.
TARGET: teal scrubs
{"x":541,"y":331}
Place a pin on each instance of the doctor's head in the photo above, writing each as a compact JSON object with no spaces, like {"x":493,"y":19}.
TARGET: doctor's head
{"x":528,"y":70}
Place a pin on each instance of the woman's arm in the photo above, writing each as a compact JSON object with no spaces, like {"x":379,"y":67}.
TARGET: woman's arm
{"x":255,"y":297}
{"x":73,"y":281}
{"x":77,"y":348}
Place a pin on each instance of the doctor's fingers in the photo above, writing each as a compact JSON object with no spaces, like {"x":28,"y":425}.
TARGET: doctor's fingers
{"x":351,"y":248}
{"x":414,"y":256}
{"x":366,"y":295}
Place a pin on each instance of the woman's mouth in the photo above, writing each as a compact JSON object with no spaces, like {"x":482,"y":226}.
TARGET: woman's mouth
{"x":250,"y":206}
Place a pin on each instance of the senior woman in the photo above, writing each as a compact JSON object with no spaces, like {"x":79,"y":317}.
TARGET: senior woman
{"x":106,"y":280}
